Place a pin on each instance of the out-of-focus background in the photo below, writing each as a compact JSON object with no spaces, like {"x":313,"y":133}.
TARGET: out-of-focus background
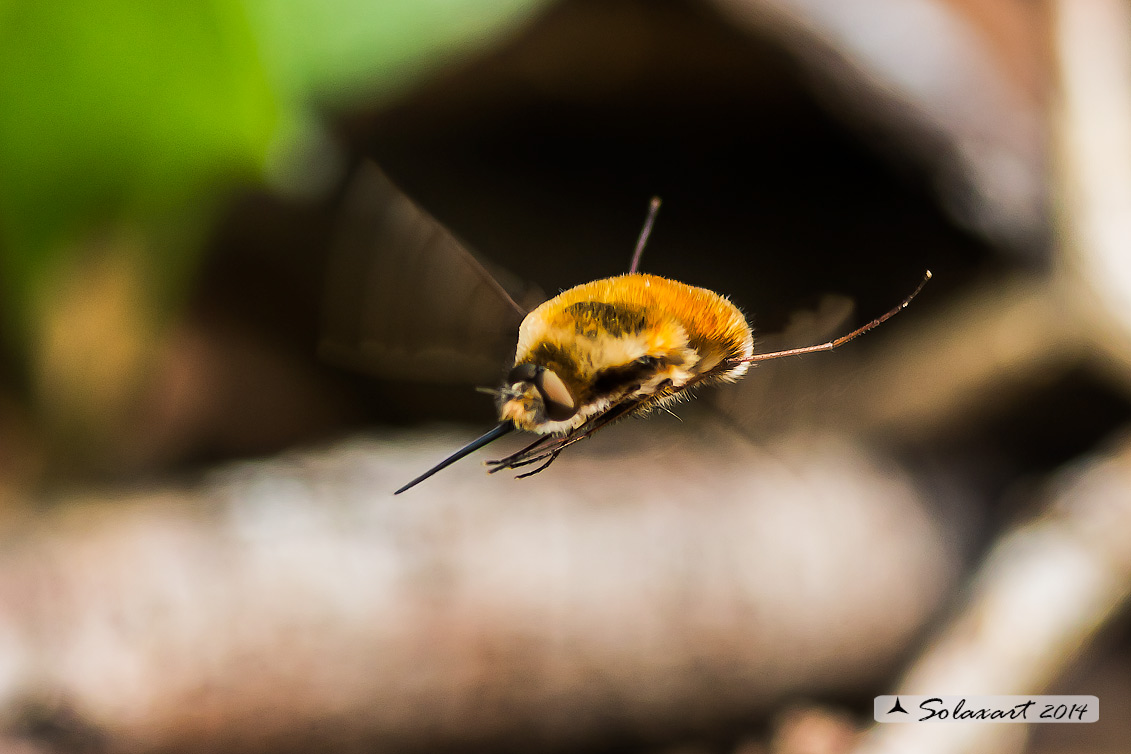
{"x":235,"y":315}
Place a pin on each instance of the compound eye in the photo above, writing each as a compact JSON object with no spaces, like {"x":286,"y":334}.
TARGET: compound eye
{"x":555,"y":395}
{"x":523,"y":373}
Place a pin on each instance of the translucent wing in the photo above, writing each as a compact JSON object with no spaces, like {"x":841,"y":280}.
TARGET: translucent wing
{"x":774,"y":395}
{"x":406,"y":300}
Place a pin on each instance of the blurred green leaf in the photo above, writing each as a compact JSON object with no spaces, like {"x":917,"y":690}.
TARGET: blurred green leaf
{"x":334,"y":52}
{"x":116,"y":109}
{"x":122,"y":112}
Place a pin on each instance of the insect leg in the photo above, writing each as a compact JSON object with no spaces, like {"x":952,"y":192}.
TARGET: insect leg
{"x":830,"y":345}
{"x":553,"y":457}
{"x":508,"y":462}
{"x":529,"y":455}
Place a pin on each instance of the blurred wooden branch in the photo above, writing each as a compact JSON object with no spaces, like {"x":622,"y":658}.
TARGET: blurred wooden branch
{"x":1043,"y":592}
{"x":665,"y":578}
{"x":1092,"y":120}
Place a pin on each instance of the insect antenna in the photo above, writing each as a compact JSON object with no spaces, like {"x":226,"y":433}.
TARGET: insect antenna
{"x":653,"y":209}
{"x":496,"y":432}
{"x":830,"y":345}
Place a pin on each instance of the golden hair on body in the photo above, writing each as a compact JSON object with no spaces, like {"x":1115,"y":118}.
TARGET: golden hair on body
{"x":618,"y":347}
{"x":640,"y":338}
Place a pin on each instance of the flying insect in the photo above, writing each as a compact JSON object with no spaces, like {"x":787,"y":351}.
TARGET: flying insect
{"x":612,"y":348}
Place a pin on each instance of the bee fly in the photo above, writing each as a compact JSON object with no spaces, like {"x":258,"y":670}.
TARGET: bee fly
{"x":619,"y":347}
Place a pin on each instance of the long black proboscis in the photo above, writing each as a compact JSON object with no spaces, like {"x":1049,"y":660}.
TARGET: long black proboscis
{"x":496,"y":432}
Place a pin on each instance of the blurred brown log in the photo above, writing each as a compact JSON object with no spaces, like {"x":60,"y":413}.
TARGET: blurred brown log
{"x":666,"y":578}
